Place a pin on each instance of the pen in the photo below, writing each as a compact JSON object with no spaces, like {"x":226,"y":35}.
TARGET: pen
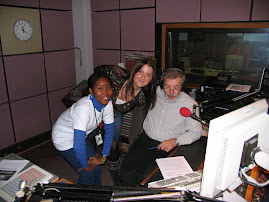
{"x":153,"y":148}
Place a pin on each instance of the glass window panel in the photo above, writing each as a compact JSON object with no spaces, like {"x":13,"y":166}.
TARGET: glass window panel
{"x":203,"y":53}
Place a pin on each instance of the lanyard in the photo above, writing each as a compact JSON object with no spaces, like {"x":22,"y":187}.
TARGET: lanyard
{"x":100,"y":124}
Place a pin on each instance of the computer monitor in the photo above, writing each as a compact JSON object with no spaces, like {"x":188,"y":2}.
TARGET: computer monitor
{"x":231,"y":138}
{"x":234,"y":62}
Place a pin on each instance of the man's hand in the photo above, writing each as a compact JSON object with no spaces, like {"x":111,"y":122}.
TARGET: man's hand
{"x":167,"y":145}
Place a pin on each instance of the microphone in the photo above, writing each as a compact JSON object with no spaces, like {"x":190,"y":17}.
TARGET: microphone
{"x":184,"y":111}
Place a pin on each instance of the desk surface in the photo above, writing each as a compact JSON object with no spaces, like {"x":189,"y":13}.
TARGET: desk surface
{"x":193,"y":153}
{"x":13,"y":156}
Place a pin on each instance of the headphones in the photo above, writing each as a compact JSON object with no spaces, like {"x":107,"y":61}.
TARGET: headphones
{"x":165,"y":72}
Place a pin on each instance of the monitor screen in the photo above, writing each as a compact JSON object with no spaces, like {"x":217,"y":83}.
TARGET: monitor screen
{"x":264,"y":82}
{"x":228,"y":141}
{"x":234,"y":62}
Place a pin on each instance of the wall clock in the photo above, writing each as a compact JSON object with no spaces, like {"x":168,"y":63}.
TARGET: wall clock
{"x":20,"y":30}
{"x":23,"y":30}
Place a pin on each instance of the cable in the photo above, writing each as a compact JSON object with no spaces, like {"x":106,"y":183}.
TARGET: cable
{"x":204,"y":126}
{"x":250,"y":180}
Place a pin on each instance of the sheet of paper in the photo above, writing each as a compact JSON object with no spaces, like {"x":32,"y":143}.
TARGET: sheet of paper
{"x":10,"y":168}
{"x":238,"y":87}
{"x":232,"y":196}
{"x":173,"y":166}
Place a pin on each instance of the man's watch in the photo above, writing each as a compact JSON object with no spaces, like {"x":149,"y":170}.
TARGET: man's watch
{"x":104,"y":156}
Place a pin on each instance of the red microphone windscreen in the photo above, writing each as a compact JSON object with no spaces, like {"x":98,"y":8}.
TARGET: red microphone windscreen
{"x":184,"y":111}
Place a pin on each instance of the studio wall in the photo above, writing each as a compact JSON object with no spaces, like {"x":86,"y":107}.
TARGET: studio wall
{"x":36,"y":73}
{"x":133,"y":26}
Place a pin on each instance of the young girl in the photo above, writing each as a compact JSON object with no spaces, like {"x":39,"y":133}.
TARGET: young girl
{"x":130,"y":90}
{"x":71,"y":130}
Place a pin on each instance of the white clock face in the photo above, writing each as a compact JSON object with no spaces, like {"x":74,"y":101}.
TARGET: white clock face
{"x":22,"y":30}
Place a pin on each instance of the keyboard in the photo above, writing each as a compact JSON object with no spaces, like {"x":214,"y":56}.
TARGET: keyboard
{"x":31,"y":175}
{"x":190,"y":181}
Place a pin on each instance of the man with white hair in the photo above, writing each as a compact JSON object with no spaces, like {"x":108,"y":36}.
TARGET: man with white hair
{"x":164,"y":128}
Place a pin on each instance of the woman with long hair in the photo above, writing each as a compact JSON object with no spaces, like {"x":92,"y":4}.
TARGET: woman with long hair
{"x":130,"y":90}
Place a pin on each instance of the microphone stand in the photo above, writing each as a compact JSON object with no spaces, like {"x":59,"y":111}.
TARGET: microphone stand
{"x":193,"y":116}
{"x":204,"y":123}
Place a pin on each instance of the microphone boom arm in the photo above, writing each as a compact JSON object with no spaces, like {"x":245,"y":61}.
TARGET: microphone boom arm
{"x":193,"y":116}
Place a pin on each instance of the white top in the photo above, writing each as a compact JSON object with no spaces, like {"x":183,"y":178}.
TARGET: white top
{"x":165,"y":122}
{"x":80,"y":116}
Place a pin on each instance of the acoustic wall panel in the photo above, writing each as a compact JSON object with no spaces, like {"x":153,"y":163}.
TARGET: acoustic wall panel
{"x":260,"y":10}
{"x":136,"y":4}
{"x":25,"y":75}
{"x":177,"y":11}
{"x":102,"y":57}
{"x":59,"y":4}
{"x":6,"y":135}
{"x":28,"y":3}
{"x":101,"y":5}
{"x":228,"y":10}
{"x":27,"y":79}
{"x":3,"y":90}
{"x":60,"y":68}
{"x":57,"y":27}
{"x":106,"y":30}
{"x":30,"y":117}
{"x":56,"y":105}
{"x":138,"y":29}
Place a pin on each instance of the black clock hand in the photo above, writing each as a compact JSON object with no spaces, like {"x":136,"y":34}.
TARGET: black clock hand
{"x":27,"y":32}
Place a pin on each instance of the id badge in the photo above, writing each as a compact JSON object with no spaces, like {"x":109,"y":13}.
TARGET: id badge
{"x":98,"y":139}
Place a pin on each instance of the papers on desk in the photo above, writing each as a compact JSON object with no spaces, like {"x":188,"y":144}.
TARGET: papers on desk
{"x":239,"y":88}
{"x":10,"y":168}
{"x":231,"y":196}
{"x":173,"y":166}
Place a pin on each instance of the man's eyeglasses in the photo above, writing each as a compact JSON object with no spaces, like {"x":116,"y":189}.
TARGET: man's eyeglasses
{"x":168,"y":88}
